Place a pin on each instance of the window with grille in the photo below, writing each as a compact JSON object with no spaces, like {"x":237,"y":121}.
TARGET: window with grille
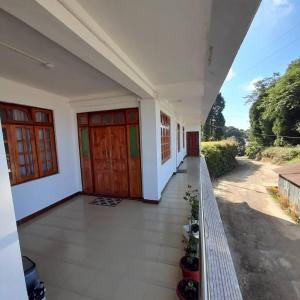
{"x":165,"y":137}
{"x":29,"y":141}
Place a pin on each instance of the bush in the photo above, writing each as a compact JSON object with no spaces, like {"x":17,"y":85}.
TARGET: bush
{"x":281,"y":155}
{"x":253,"y":150}
{"x":219,"y":156}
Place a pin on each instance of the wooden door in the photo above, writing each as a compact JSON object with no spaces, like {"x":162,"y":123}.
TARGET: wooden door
{"x":100,"y":140}
{"x":118,"y":160}
{"x":193,"y":141}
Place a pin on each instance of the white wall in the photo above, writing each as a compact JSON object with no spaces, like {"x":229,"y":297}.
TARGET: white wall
{"x":166,"y":170}
{"x":12,"y":283}
{"x":35,"y":195}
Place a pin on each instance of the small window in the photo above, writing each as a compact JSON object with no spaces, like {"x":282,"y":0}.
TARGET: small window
{"x":107,"y":118}
{"x":165,"y":137}
{"x":132,"y":116}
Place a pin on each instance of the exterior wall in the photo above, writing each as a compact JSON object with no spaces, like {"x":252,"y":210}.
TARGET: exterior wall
{"x":291,"y":191}
{"x":37,"y":194}
{"x":166,"y":170}
{"x":11,"y":271}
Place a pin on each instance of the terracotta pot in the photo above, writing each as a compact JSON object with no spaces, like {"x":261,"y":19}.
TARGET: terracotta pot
{"x":188,"y":274}
{"x":178,"y":291}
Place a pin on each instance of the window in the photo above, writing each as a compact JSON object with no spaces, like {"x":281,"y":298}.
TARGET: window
{"x":183,"y":138}
{"x":178,"y":137}
{"x":165,"y":137}
{"x":29,"y":142}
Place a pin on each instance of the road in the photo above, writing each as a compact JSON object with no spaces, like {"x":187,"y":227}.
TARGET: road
{"x":264,"y":241}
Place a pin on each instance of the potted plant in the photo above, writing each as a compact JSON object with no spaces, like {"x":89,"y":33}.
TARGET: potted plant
{"x":189,"y":263}
{"x":187,"y":289}
{"x":192,"y":197}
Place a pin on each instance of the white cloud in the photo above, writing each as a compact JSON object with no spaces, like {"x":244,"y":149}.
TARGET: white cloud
{"x":251,"y":85}
{"x":230,"y":75}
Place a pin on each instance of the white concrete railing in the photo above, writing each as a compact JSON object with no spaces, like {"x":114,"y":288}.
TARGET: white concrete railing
{"x":218,"y":276}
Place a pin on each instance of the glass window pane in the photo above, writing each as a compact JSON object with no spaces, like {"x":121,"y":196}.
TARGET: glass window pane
{"x":18,"y":115}
{"x":27,"y":134}
{"x":20,"y":147}
{"x":21,"y":159}
{"x":22,"y":171}
{"x":107,"y":118}
{"x":43,"y":156}
{"x":19,"y":134}
{"x":47,"y":133}
{"x":96,"y":119}
{"x":119,"y":117}
{"x":49,"y":155}
{"x":49,"y":165}
{"x":42,"y":117}
{"x":42,"y":145}
{"x":41,"y":134}
{"x":44,"y":166}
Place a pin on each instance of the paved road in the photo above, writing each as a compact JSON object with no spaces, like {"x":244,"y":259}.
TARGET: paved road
{"x":264,"y":241}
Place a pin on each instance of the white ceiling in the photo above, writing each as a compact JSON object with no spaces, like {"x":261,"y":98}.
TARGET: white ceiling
{"x":165,"y":33}
{"x":71,"y":77}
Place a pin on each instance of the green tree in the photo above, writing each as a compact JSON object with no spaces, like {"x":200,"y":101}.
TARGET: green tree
{"x":215,"y":122}
{"x":261,"y":128}
{"x":239,"y":135}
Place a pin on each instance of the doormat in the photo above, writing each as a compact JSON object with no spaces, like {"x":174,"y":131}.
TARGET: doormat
{"x":183,"y":171}
{"x":106,"y":201}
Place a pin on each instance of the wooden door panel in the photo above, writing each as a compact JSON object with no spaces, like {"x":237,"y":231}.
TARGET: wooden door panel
{"x":100,"y":137}
{"x":192,"y":143}
{"x":118,"y":157}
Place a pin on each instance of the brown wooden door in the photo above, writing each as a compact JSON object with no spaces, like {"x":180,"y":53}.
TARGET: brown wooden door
{"x":100,"y":140}
{"x":118,"y":160}
{"x":109,"y":152}
{"x":192,"y":138}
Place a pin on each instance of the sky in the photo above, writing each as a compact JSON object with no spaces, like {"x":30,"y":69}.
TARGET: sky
{"x":272,"y":42}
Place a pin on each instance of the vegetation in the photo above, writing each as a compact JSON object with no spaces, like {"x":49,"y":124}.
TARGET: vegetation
{"x":220,"y":156}
{"x":280,"y":155}
{"x":214,"y":127}
{"x":284,"y":203}
{"x":238,"y":135}
{"x":275,"y":110}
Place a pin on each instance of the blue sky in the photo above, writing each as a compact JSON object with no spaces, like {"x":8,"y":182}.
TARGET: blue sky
{"x":272,"y":42}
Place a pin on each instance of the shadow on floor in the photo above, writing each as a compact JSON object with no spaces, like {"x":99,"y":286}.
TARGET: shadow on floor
{"x":265,"y":251}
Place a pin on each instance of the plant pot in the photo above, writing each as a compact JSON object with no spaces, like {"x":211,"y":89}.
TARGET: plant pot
{"x":190,"y":270}
{"x":186,"y":230}
{"x":184,"y":293}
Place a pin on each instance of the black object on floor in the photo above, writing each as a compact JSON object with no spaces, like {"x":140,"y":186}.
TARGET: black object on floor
{"x":35,"y":287}
{"x":106,"y":201}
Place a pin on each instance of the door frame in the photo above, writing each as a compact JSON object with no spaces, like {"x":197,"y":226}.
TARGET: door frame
{"x":88,"y":125}
{"x":197,"y":150}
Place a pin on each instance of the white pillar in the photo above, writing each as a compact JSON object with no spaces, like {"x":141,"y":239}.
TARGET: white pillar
{"x":149,"y":151}
{"x":12,"y":282}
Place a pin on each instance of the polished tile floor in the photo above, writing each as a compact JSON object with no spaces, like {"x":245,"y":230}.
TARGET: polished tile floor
{"x":130,"y":251}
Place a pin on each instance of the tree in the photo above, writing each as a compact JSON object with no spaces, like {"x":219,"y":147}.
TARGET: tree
{"x":239,"y":135}
{"x":215,"y":122}
{"x":275,"y":111}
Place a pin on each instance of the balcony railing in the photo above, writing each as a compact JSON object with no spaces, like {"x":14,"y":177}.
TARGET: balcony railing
{"x":218,"y":276}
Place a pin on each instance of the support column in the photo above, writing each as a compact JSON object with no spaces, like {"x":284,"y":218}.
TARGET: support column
{"x":149,"y":149}
{"x":12,"y":282}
